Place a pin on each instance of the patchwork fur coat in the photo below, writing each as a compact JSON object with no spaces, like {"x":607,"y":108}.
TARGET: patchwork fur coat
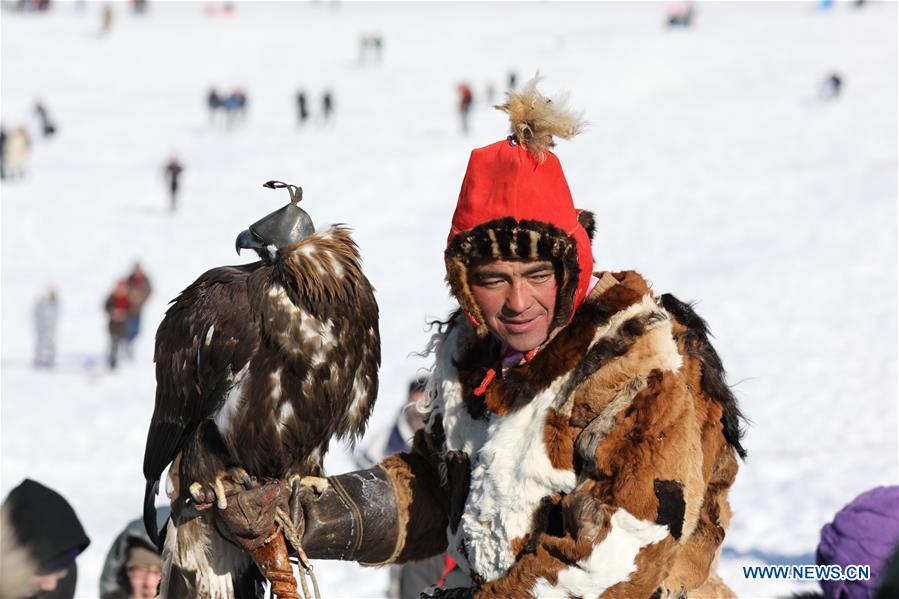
{"x":600,"y":468}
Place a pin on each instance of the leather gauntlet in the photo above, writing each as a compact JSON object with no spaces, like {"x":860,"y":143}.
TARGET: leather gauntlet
{"x":355,"y":518}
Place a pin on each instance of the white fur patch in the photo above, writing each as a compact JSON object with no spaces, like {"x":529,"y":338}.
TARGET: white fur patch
{"x":612,"y":561}
{"x":511,"y":473}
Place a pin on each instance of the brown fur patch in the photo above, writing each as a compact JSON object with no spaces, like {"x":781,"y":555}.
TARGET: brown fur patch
{"x":559,"y":441}
{"x":712,"y":588}
{"x":422,"y":509}
{"x":519,"y":544}
{"x":523,"y":575}
{"x":644,"y":445}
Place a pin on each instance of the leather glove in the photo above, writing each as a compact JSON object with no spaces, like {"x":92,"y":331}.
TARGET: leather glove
{"x":354,"y":518}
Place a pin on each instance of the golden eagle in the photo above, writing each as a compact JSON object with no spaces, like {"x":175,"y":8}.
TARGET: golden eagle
{"x":258,"y":367}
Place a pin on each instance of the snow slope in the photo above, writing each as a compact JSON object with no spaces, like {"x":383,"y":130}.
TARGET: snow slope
{"x":709,"y":163}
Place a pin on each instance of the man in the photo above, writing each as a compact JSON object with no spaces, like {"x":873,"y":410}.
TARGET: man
{"x":580,"y":438}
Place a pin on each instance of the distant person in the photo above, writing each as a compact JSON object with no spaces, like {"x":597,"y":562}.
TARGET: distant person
{"x":408,"y":580}
{"x":830,"y":87}
{"x":465,"y":101}
{"x":327,"y":105}
{"x":239,"y":103}
{"x":106,"y":17}
{"x":48,"y":128}
{"x":133,"y":567}
{"x":15,"y":153}
{"x":680,"y":14}
{"x":364,"y":45}
{"x":234,"y":105}
{"x":302,"y":108}
{"x":213,"y":103}
{"x":46,"y":314}
{"x":2,"y":152}
{"x":172,"y":172}
{"x":40,"y":538}
{"x":139,"y":290}
{"x":513,"y":79}
{"x":139,"y":6}
{"x":117,"y":308}
{"x":377,"y":43}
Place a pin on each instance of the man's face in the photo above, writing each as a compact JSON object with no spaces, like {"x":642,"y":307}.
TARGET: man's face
{"x":517,"y":299}
{"x":144,"y":581}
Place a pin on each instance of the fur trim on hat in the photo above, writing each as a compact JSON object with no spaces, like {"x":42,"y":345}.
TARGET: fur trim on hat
{"x":536,"y":119}
{"x":509,"y":239}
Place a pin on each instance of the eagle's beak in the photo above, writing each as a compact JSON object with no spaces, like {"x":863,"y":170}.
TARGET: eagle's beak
{"x":246,"y":240}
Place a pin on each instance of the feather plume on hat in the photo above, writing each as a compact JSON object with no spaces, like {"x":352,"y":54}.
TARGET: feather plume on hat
{"x":536,"y":119}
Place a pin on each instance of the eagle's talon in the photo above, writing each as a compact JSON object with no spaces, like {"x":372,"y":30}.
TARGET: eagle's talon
{"x":221,"y":501}
{"x":198,"y":494}
{"x":241,"y":475}
{"x":319,"y":484}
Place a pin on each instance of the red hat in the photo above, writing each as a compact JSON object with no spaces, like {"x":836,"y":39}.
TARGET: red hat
{"x":515,"y":204}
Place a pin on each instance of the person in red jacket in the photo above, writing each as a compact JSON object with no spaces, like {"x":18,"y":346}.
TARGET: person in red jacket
{"x":117,"y":307}
{"x":580,"y":437}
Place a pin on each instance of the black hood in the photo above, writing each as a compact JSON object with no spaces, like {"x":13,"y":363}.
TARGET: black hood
{"x":46,"y":524}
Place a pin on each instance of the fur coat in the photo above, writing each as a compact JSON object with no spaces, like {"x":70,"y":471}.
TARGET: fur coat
{"x":600,"y":468}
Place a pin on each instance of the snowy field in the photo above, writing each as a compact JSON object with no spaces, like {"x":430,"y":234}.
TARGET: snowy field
{"x":710,"y":164}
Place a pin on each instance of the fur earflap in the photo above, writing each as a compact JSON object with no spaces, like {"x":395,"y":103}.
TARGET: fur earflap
{"x":536,"y":119}
{"x":587,"y":220}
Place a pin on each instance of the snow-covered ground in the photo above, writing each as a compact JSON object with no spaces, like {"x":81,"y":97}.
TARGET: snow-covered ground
{"x":710,"y":165}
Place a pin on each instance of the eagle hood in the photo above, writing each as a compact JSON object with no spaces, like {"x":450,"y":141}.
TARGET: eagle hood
{"x":515,"y":204}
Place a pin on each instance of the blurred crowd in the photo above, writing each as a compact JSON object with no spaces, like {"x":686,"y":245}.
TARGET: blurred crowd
{"x":123,"y":306}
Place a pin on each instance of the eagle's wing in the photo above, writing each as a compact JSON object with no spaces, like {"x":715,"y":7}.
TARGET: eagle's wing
{"x":207,"y":336}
